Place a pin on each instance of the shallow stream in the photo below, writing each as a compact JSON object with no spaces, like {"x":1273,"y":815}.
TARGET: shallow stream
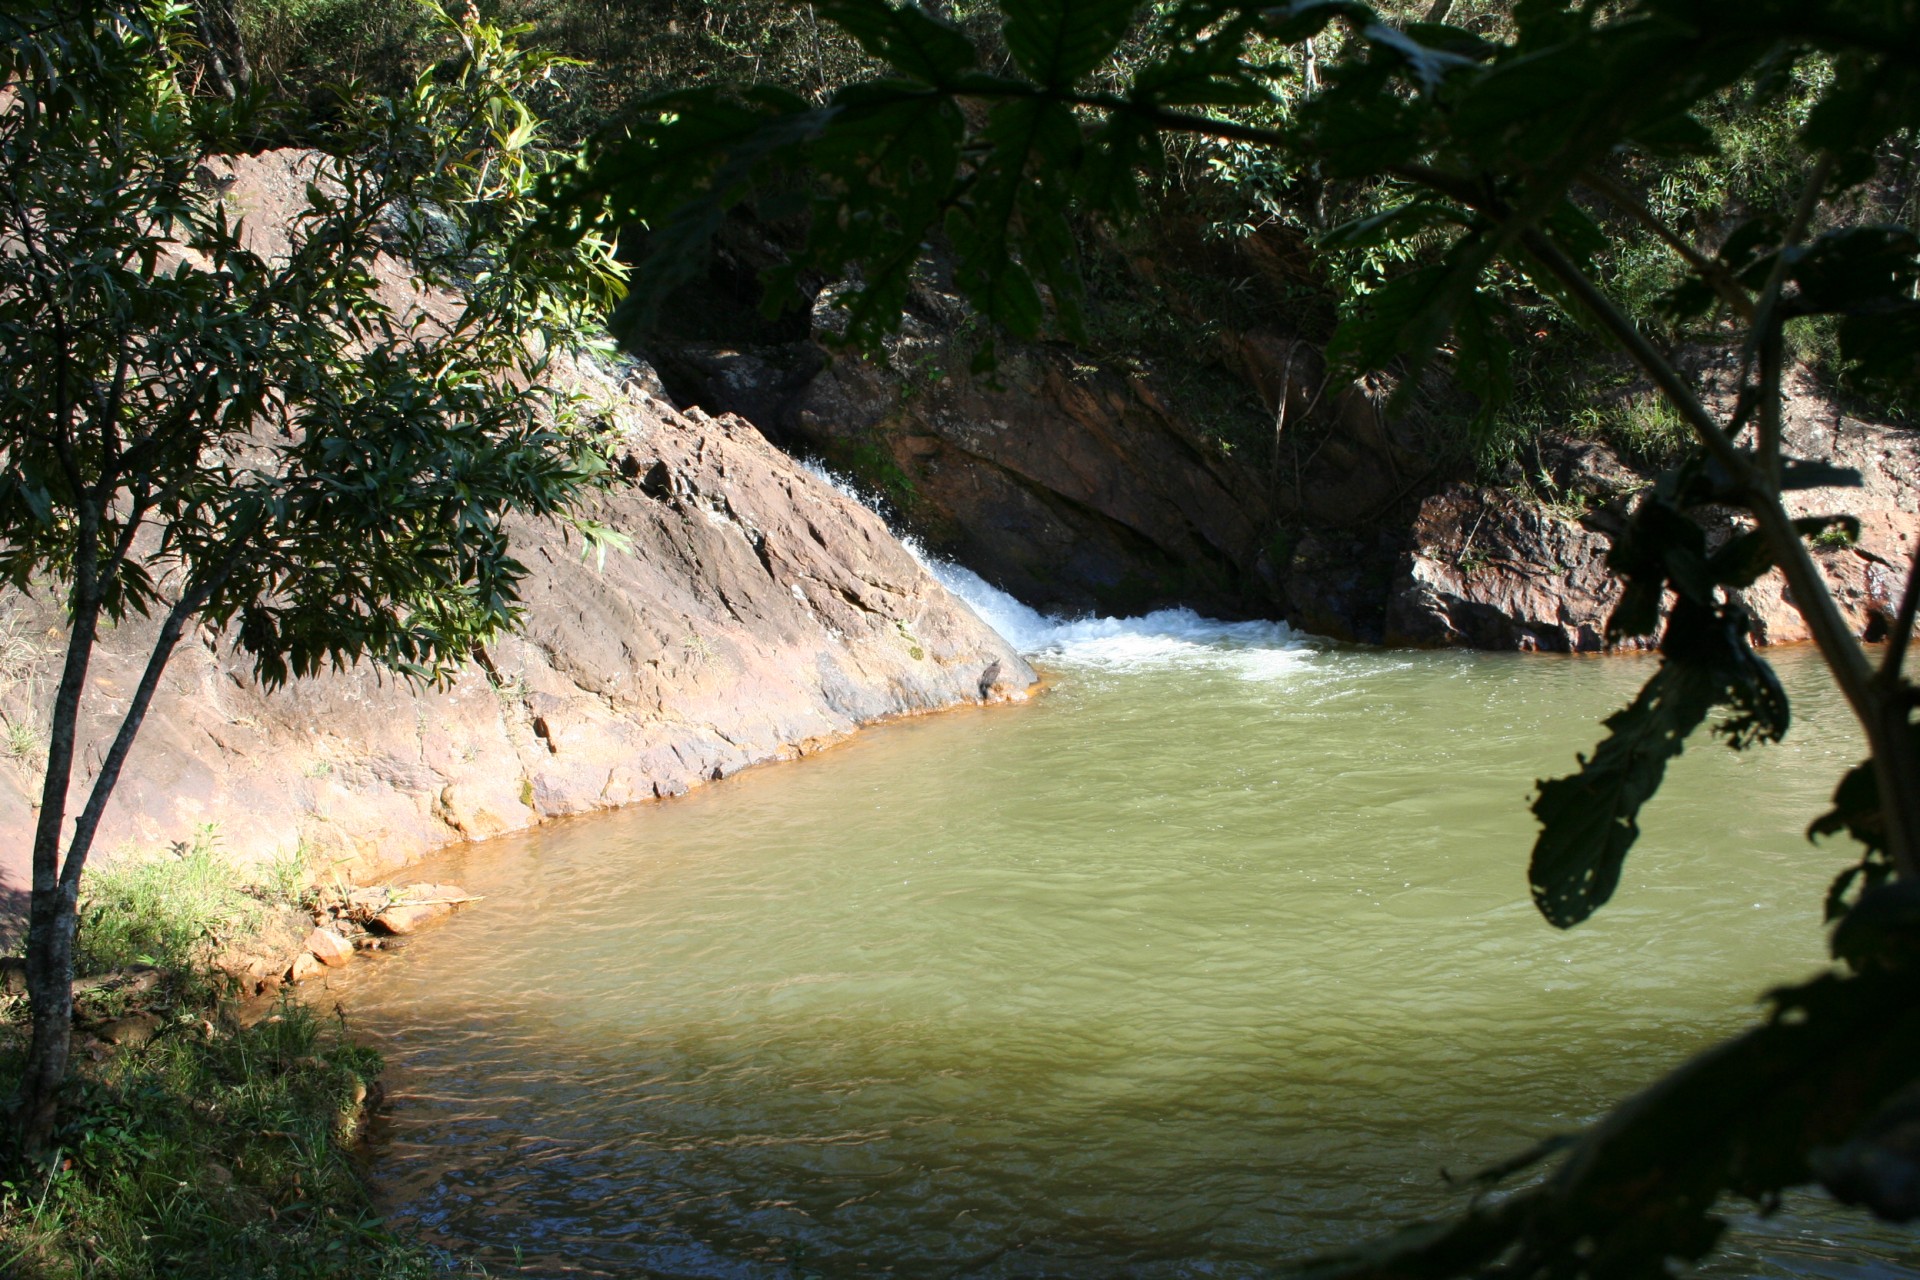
{"x":1217,"y":953}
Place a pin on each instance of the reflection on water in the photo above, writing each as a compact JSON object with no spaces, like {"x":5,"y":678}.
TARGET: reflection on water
{"x":1218,"y":953}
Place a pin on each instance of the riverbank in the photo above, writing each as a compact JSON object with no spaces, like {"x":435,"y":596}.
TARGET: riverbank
{"x":202,"y":1135}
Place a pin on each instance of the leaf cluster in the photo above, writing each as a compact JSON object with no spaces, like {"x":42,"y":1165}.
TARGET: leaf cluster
{"x":280,"y":437}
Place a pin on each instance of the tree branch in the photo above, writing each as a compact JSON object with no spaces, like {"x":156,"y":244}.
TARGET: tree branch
{"x":1765,"y":342}
{"x":1644,"y":353}
{"x":1901,"y":634}
{"x":1895,"y":763}
{"x":171,"y":630}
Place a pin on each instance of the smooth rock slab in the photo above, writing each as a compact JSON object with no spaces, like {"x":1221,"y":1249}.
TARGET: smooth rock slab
{"x":131,"y":1031}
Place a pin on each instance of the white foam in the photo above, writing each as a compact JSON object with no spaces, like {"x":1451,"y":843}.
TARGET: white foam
{"x":1165,"y":637}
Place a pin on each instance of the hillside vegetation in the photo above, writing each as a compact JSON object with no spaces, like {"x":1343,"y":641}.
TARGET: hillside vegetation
{"x":1150,"y":297}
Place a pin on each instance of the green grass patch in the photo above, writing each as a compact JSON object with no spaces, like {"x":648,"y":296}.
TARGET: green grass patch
{"x":215,"y":1149}
{"x":1642,"y":428}
{"x":163,"y":909}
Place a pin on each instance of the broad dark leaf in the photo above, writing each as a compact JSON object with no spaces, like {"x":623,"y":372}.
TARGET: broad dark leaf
{"x":905,"y":37}
{"x":1298,"y":20}
{"x":1880,"y":346}
{"x":1741,"y":561}
{"x":1427,"y":66}
{"x":1058,"y":41}
{"x":1590,"y":820}
{"x":1018,"y":194}
{"x":1853,"y":267}
{"x":1882,"y":930}
{"x":1659,"y":540}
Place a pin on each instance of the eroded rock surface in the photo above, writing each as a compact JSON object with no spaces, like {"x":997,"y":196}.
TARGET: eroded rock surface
{"x":1489,"y":571}
{"x":759,"y":615}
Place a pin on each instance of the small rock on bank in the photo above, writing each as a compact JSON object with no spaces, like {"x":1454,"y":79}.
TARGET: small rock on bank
{"x":329,"y":948}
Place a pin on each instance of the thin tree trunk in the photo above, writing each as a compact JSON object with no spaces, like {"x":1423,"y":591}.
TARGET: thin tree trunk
{"x":50,"y":918}
{"x":53,"y":916}
{"x":210,"y":44}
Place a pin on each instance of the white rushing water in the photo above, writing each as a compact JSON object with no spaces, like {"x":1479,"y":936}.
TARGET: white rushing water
{"x":1257,"y":650}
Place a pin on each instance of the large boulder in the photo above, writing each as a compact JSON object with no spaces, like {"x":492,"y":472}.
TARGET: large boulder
{"x":1490,"y":569}
{"x":758,"y":614}
{"x":1489,"y":572}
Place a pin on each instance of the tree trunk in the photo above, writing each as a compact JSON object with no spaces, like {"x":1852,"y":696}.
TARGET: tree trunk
{"x":51,"y":920}
{"x":53,"y":913}
{"x":51,"y":909}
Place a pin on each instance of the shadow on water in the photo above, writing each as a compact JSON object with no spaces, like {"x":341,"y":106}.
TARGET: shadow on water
{"x":836,"y":1145}
{"x":1184,"y":970}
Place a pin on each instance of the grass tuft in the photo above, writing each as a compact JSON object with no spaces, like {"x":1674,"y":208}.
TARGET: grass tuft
{"x":215,"y":1150}
{"x":164,"y":909}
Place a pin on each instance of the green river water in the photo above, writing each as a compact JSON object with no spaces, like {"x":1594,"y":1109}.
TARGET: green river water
{"x":1217,"y":953}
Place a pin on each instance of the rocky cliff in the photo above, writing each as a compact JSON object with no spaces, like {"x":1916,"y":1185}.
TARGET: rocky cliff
{"x":1487,"y":568}
{"x":1085,"y":482}
{"x":759,"y":615}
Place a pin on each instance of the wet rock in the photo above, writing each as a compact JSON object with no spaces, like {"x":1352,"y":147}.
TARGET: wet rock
{"x":408,"y":918}
{"x":407,"y":908}
{"x":304,"y":966}
{"x":1337,"y":585}
{"x":1487,"y":572}
{"x":1075,"y":482}
{"x":329,"y":948}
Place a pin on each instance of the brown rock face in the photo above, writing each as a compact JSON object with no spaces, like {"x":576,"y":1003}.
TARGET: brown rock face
{"x":1075,"y":482}
{"x":758,"y":615}
{"x":1488,"y":571}
{"x":1074,"y":487}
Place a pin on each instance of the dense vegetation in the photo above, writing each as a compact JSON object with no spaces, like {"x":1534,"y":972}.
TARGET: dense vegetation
{"x":1218,"y":190}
